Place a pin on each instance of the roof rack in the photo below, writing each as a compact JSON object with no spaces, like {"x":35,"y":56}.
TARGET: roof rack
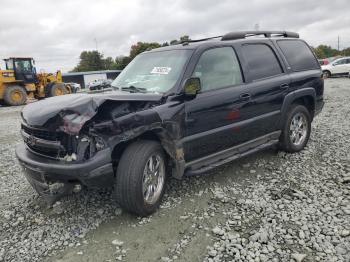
{"x":244,"y":34}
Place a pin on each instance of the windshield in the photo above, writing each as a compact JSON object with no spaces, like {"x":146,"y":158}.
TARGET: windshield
{"x":155,"y":72}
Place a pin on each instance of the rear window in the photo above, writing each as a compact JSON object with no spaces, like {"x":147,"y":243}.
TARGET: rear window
{"x":261,"y":60}
{"x":298,"y":55}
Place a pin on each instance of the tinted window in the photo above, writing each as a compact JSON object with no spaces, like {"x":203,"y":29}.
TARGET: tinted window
{"x":218,"y":68}
{"x":298,"y":55}
{"x":262,"y":61}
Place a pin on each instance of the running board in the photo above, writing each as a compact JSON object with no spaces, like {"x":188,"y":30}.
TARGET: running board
{"x":207,"y":163}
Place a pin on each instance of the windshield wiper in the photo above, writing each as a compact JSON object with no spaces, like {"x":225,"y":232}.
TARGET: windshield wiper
{"x":134,"y":89}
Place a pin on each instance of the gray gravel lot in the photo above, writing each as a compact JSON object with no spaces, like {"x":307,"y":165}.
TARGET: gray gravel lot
{"x":270,"y":206}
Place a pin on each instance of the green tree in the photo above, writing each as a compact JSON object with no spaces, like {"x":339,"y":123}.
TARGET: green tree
{"x":346,"y":52}
{"x":90,"y":61}
{"x":121,"y":62}
{"x":185,"y":38}
{"x":109,"y":63}
{"x":141,"y":47}
{"x":324,"y":51}
{"x":93,"y":60}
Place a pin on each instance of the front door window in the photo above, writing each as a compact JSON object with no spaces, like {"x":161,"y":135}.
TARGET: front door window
{"x":217,"y":68}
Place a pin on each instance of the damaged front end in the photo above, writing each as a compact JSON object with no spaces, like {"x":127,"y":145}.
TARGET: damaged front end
{"x":51,"y":191}
{"x":69,"y":144}
{"x":58,"y":163}
{"x":66,"y":143}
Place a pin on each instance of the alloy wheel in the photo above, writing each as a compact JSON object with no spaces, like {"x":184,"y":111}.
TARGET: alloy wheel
{"x":298,"y":129}
{"x":153,"y":179}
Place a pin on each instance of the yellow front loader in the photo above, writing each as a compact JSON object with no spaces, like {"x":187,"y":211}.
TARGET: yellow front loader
{"x":20,"y":81}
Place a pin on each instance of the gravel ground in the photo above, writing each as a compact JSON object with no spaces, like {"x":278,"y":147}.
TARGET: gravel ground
{"x":270,"y":206}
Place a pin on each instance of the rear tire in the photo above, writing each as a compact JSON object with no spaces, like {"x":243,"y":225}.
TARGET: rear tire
{"x":326,"y":74}
{"x":141,"y":177}
{"x":57,"y":89}
{"x":296,"y":130}
{"x":15,"y":95}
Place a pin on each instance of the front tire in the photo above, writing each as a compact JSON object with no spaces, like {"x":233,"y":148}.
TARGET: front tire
{"x":296,"y":130}
{"x":57,"y":89}
{"x":15,"y":95}
{"x":141,"y":177}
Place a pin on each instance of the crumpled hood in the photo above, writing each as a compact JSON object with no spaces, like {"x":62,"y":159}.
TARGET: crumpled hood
{"x":77,"y":108}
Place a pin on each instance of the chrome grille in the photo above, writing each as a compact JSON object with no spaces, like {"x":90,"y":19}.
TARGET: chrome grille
{"x":43,"y":142}
{"x":42,"y":133}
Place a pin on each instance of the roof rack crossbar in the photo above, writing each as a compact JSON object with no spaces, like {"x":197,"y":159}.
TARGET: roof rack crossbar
{"x":200,"y":40}
{"x":244,"y":34}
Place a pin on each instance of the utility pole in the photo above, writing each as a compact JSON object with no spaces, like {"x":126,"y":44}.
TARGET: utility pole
{"x":95,"y":39}
{"x":338,"y":42}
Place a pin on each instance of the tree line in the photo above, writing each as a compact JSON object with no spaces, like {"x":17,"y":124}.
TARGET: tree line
{"x":94,"y":60}
{"x":324,"y":51}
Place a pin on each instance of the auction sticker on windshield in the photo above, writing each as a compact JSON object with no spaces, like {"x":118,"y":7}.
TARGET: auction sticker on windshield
{"x":160,"y":70}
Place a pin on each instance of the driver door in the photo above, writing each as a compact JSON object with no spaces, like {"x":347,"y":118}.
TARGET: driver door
{"x":216,"y":106}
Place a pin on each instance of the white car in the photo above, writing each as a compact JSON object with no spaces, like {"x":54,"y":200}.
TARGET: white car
{"x":340,"y":66}
{"x":75,"y":86}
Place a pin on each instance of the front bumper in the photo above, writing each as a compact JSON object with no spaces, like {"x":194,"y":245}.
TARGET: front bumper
{"x":95,"y":172}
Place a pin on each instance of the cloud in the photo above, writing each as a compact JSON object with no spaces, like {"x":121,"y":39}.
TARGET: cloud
{"x":55,"y":32}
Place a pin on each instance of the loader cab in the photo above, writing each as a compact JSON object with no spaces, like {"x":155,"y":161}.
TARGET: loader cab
{"x":23,"y":68}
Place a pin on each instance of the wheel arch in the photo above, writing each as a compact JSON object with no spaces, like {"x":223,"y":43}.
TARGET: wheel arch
{"x":173,"y":152}
{"x":304,"y":96}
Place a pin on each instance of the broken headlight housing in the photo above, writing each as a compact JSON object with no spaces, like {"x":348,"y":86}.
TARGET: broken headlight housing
{"x":99,"y":143}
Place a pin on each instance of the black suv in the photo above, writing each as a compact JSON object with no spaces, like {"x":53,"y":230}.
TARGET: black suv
{"x":177,"y":110}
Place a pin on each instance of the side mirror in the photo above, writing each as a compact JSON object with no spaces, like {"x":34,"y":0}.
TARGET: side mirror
{"x":192,"y":86}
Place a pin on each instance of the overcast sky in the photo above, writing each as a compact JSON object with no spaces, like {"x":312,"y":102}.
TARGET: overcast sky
{"x":55,"y":32}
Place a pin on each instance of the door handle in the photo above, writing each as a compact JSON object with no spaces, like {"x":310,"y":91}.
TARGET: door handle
{"x":189,"y":120}
{"x":244,"y":96}
{"x":284,"y":86}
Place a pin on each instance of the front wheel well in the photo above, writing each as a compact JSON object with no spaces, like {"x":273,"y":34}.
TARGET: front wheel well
{"x":119,"y":149}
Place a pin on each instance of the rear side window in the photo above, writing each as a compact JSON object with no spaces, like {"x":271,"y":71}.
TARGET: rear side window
{"x":298,"y":55}
{"x":262,"y":61}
